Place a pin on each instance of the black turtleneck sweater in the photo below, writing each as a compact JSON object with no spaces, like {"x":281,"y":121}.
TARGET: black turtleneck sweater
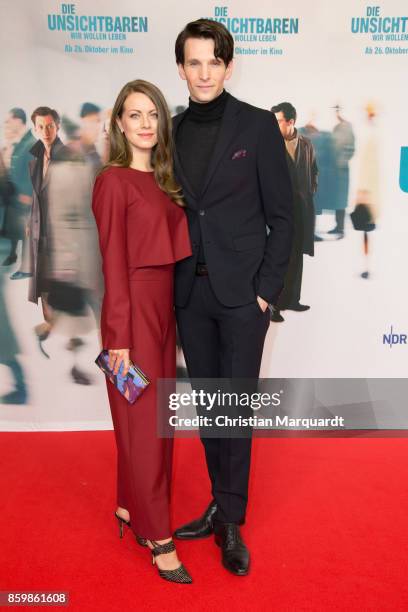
{"x":196,"y":138}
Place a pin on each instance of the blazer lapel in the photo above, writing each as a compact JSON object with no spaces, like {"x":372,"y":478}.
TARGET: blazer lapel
{"x":36,"y":174}
{"x":35,"y":165}
{"x":178,"y":168}
{"x":227,"y":131}
{"x":298,"y":151}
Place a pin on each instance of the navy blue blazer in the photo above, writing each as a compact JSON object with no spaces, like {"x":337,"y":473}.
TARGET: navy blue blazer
{"x":244,"y":210}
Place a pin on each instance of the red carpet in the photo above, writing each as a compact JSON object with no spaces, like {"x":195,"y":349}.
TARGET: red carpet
{"x":327,"y":527}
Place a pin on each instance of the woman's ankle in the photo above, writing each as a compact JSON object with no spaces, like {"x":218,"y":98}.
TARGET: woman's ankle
{"x":164,"y":541}
{"x":123,"y":513}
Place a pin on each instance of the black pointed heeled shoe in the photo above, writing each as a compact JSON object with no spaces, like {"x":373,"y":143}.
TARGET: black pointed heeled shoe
{"x":122,"y":522}
{"x":180,"y":574}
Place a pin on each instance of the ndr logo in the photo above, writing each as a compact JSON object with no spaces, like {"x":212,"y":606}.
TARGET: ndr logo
{"x":392,"y":338}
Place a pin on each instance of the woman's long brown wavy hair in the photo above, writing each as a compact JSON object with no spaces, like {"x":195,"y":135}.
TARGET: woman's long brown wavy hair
{"x":120,"y":151}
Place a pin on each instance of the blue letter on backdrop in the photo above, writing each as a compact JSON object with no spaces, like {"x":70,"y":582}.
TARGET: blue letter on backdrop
{"x":403,"y":178}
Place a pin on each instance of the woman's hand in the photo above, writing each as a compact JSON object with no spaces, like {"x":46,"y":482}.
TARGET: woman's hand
{"x":116,"y":356}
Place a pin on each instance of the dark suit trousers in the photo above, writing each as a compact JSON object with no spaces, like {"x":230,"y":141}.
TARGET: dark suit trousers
{"x":293,"y":280}
{"x":340,"y":216}
{"x":223,"y":342}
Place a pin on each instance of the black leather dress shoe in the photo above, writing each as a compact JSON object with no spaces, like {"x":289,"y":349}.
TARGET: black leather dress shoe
{"x":297,"y":307}
{"x":276,"y":316}
{"x":235,"y":555}
{"x":335,"y":230}
{"x":79,"y":377}
{"x":19,"y":275}
{"x":201,"y":527}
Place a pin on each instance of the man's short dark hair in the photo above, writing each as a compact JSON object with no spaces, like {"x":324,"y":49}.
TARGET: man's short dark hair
{"x":88,"y":108}
{"x":207,"y":28}
{"x":44,"y":111}
{"x":288,"y":110}
{"x":18,"y":113}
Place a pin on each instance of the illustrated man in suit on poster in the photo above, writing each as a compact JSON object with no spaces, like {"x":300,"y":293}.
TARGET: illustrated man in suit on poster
{"x":231,"y":163}
{"x":45,"y":153}
{"x":301,"y":158}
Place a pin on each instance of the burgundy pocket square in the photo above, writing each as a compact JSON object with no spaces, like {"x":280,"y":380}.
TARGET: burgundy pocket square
{"x":239,"y":154}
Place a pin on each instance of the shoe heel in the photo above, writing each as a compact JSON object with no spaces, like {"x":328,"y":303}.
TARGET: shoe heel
{"x":121,"y":522}
{"x":141,"y":541}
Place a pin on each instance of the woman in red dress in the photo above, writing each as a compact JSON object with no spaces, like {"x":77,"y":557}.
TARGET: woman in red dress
{"x":142,"y":233}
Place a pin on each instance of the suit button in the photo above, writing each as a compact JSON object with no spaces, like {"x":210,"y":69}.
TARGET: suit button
{"x":202,"y":213}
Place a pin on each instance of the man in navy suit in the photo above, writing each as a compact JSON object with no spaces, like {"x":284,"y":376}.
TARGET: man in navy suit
{"x":231,"y":163}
